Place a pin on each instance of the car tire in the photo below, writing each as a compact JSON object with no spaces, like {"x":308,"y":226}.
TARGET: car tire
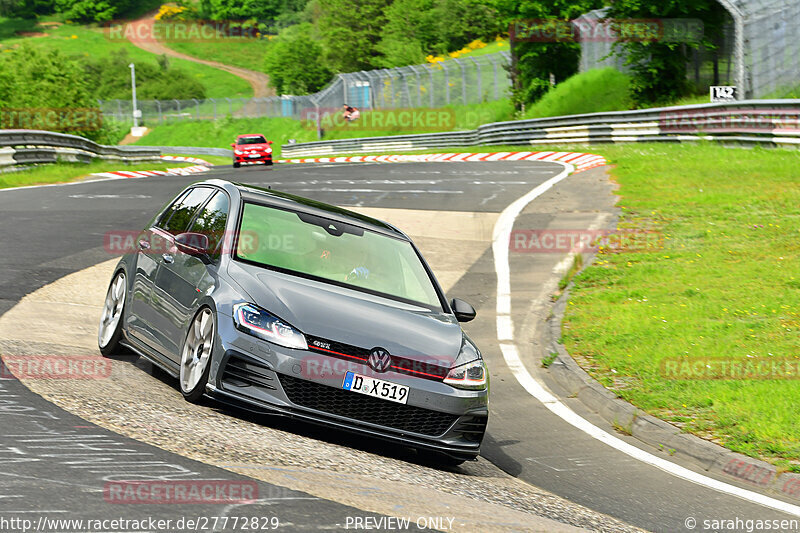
{"x":236,"y":164}
{"x":195,"y":363}
{"x":268,"y":163}
{"x":110,"y":331}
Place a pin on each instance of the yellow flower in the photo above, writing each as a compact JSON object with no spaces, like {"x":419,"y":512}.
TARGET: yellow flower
{"x":73,"y":36}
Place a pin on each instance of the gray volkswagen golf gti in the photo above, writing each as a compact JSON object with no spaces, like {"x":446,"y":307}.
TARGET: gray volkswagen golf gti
{"x":285,"y":305}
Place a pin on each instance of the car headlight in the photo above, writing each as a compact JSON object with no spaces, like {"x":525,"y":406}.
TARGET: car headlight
{"x":471,"y":375}
{"x":238,"y":152}
{"x":268,"y":151}
{"x":262,"y":324}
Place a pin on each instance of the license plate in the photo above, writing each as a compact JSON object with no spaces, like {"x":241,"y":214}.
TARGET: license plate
{"x":376,"y":388}
{"x":254,"y":155}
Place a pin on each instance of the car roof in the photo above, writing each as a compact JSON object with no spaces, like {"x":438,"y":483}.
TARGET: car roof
{"x":293,"y":202}
{"x":249,"y":135}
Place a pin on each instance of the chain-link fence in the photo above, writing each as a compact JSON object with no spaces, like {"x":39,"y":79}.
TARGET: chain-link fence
{"x":766,"y":45}
{"x":463,"y":80}
{"x":758,"y":50}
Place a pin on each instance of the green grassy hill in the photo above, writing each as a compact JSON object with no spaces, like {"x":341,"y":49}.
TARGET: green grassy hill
{"x":92,"y":42}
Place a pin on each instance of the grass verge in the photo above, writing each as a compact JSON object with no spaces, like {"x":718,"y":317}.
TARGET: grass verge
{"x":221,"y":133}
{"x":725,"y":285}
{"x":66,"y":172}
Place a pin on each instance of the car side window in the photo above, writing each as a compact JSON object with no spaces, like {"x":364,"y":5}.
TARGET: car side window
{"x":211,"y":220}
{"x":167,"y":214}
{"x":184,"y":211}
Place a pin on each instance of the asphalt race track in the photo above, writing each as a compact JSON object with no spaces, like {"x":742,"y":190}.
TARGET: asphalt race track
{"x":51,"y":232}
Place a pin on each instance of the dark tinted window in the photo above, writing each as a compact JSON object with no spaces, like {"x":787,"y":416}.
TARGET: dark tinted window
{"x":257,"y":139}
{"x":167,"y":214}
{"x":184,"y":211}
{"x":212,"y":218}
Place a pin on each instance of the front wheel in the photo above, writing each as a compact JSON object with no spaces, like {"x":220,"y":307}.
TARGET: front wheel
{"x":196,"y":356}
{"x":236,"y":164}
{"x":110,"y":331}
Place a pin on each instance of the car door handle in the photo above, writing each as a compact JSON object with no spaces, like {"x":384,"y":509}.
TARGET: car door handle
{"x":144,"y":245}
{"x":168,"y":258}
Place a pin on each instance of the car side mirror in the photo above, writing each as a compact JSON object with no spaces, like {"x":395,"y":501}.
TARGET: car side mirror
{"x":269,"y":142}
{"x":193,"y":244}
{"x":463,"y":311}
{"x":233,"y":145}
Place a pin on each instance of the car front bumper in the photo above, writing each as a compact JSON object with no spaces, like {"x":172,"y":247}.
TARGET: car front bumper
{"x":262,"y":158}
{"x":263,"y":377}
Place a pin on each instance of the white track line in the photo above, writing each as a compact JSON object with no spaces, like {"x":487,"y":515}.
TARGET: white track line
{"x":505,"y":336}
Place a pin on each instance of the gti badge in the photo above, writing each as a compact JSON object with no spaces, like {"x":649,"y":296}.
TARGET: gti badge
{"x":379,"y":360}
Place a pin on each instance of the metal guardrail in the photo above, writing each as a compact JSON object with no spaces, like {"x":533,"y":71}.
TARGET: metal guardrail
{"x":21,"y":147}
{"x":770,"y":122}
{"x":191,"y":150}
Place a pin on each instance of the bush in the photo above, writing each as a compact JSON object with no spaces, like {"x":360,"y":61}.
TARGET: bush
{"x":594,"y":91}
{"x":112,"y":79}
{"x":294,"y":62}
{"x":32,"y":79}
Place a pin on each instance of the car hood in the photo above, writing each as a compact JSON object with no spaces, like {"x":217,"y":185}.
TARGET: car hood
{"x":351,"y":317}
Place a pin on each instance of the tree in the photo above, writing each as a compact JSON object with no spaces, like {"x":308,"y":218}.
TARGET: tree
{"x":658,"y":69}
{"x":26,"y":9}
{"x":350,"y":31}
{"x":92,"y":10}
{"x":416,"y":28}
{"x":111,"y":79}
{"x":294,"y":62}
{"x":533,"y":62}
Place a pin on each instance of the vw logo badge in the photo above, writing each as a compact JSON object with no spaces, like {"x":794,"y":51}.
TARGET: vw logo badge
{"x":379,"y":360}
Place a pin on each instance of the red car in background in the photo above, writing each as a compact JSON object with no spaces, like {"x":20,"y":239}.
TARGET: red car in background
{"x":251,"y":148}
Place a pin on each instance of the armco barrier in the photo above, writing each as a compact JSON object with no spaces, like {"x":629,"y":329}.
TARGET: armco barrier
{"x":191,"y":150}
{"x":20,"y":147}
{"x":770,"y":122}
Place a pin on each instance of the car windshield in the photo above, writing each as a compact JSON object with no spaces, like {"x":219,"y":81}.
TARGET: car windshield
{"x":333,"y":252}
{"x":258,"y":139}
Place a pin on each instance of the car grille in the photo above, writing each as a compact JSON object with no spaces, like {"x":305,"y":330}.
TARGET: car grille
{"x":404,"y":365}
{"x":365,"y":408}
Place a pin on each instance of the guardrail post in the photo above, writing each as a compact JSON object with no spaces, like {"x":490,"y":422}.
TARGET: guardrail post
{"x":419,"y":85}
{"x":446,"y":82}
{"x":478,"y":78}
{"x":494,"y":72}
{"x":177,"y":107}
{"x":463,"y":80}
{"x":433,"y":85}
